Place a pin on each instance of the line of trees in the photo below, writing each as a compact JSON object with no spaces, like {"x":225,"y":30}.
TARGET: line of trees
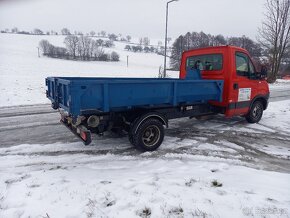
{"x":66,"y":31}
{"x":272,"y":48}
{"x":144,"y":45}
{"x":199,"y":40}
{"x":139,"y":48}
{"x":80,"y":48}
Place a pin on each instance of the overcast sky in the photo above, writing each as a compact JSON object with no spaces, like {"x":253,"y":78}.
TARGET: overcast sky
{"x":135,"y":17}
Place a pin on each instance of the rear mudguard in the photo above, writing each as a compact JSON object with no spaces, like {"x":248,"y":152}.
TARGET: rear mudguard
{"x":81,"y":132}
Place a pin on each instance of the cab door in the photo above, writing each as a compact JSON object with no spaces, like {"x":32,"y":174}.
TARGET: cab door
{"x":244,"y":87}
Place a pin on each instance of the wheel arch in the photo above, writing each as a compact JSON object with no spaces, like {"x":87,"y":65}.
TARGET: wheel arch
{"x":264,"y":100}
{"x":144,"y":117}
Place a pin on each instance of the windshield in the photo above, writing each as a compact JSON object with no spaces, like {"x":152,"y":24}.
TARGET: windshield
{"x":208,"y":62}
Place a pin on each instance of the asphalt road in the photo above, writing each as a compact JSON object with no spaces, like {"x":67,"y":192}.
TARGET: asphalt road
{"x":39,"y":124}
{"x":280,"y":94}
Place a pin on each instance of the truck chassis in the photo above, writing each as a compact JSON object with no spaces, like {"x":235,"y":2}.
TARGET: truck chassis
{"x":144,"y":126}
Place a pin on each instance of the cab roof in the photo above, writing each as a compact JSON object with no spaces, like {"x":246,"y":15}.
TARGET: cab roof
{"x":214,"y":48}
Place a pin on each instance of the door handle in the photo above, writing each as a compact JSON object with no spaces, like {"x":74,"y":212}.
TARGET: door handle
{"x":236,"y":85}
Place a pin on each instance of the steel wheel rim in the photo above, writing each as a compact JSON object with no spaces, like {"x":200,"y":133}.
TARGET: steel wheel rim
{"x":257,"y":111}
{"x":151,"y":135}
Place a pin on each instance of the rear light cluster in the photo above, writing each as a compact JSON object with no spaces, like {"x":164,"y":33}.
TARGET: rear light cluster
{"x":83,"y":136}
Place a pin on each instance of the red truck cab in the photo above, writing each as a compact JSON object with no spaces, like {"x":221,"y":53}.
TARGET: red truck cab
{"x":246,"y":92}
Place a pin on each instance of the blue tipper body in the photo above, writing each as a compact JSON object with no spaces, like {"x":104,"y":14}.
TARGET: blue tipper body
{"x":79,"y":94}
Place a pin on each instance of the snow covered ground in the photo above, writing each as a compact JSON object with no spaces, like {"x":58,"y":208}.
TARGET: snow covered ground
{"x":22,"y":73}
{"x":81,"y":185}
{"x":211,"y":168}
{"x":225,"y":170}
{"x":280,"y":84}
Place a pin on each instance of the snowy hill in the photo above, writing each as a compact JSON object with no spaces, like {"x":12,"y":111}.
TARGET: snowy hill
{"x":23,"y":72}
{"x":205,"y":168}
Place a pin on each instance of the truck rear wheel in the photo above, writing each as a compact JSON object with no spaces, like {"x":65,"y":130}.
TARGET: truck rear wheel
{"x":256,"y":112}
{"x":148,"y":136}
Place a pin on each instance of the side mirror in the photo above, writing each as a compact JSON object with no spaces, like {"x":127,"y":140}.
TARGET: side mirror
{"x":264,"y":72}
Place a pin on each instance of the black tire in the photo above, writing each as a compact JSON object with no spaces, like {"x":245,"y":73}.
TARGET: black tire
{"x":256,"y":112}
{"x":130,"y":137}
{"x":149,"y":135}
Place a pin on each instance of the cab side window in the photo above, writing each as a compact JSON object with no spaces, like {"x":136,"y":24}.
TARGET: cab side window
{"x":251,"y":68}
{"x":244,"y":66}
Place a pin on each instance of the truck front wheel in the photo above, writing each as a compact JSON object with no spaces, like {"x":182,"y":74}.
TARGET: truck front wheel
{"x":148,"y":136}
{"x":256,"y":112}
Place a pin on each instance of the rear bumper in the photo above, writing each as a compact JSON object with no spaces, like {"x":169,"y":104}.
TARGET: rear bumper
{"x":81,"y":132}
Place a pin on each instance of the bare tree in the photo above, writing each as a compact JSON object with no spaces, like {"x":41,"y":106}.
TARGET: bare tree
{"x":92,"y":33}
{"x":140,"y":41}
{"x":14,"y":30}
{"x":128,"y":38}
{"x":100,"y":42}
{"x":98,"y":52}
{"x":128,"y":47}
{"x":244,"y":42}
{"x":92,"y":45}
{"x":146,"y":41}
{"x":275,"y":34}
{"x":159,"y":44}
{"x":103,"y":33}
{"x":65,"y":31}
{"x":45,"y":47}
{"x":52,"y":32}
{"x":115,"y":56}
{"x":85,"y":47}
{"x":80,"y":49}
{"x":37,"y":31}
{"x":71,"y":43}
{"x":113,"y":37}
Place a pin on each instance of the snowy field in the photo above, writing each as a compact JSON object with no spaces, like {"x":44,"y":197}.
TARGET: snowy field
{"x":22,"y":73}
{"x":211,"y":168}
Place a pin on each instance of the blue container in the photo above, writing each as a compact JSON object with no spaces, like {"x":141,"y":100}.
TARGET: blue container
{"x":77,"y":95}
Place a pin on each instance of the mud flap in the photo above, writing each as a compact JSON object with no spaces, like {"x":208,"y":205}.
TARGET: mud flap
{"x":81,"y":132}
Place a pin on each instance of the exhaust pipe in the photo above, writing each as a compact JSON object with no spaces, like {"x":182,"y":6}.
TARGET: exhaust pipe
{"x":93,"y":121}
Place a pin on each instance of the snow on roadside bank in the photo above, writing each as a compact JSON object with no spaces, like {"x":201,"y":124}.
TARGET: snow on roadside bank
{"x":280,"y":83}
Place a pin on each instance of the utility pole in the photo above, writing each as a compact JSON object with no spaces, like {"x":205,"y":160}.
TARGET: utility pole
{"x":38,"y":51}
{"x":166,"y":28}
{"x":244,"y":38}
{"x":127,"y":60}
